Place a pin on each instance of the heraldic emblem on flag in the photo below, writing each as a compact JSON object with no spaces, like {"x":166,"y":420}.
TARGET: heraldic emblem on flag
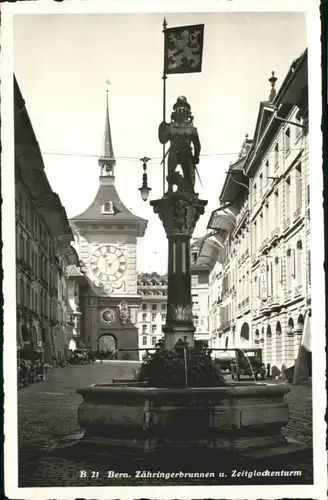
{"x":184,"y":49}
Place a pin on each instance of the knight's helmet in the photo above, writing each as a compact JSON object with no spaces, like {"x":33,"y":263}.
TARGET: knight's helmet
{"x":182,"y":111}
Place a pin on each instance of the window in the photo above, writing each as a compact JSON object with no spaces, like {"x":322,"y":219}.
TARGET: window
{"x":144,"y":340}
{"x":287,"y":198}
{"x":267,"y":170}
{"x":27,"y":253}
{"x":309,"y":266}
{"x":21,"y":247}
{"x":267,"y":222}
{"x":255,"y":193}
{"x":261,"y":185}
{"x":153,"y":328}
{"x":163,"y":307}
{"x":254,"y":250}
{"x":261,"y":229}
{"x":163,"y":316}
{"x":144,"y":307}
{"x":20,"y":204}
{"x":107,"y":208}
{"x":276,"y":156}
{"x":299,"y":263}
{"x":298,"y":187}
{"x":276,"y":276}
{"x":144,"y":317}
{"x":22,"y":293}
{"x":154,"y":307}
{"x":144,"y":328}
{"x":153,"y":341}
{"x":28,"y":296}
{"x":276,"y":209}
{"x":195,"y":318}
{"x":153,"y":316}
{"x":194,"y":279}
{"x":287,"y":142}
{"x":298,"y":127}
{"x":26,"y":214}
{"x":290,"y":269}
{"x":194,"y":299}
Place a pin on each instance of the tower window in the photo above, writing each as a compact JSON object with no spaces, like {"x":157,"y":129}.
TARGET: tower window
{"x":107,"y":208}
{"x":109,"y":170}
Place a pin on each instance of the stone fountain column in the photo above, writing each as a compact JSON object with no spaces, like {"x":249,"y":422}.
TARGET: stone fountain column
{"x":179,"y":213}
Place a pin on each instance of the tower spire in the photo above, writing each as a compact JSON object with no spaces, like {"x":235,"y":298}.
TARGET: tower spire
{"x":107,"y":160}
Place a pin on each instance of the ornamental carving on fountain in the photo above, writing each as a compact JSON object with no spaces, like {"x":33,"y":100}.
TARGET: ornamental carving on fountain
{"x":181,"y":313}
{"x":179,"y":213}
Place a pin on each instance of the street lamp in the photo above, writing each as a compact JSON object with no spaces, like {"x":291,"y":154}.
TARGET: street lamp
{"x":144,"y":190}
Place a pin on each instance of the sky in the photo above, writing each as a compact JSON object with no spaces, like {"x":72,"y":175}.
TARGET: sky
{"x":62,"y":62}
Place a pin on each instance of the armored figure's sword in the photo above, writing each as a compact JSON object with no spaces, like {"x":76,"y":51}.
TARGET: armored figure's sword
{"x":167,"y":152}
{"x":199,"y":176}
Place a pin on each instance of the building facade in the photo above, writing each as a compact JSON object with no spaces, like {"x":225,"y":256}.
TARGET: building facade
{"x":261,"y":277}
{"x":280,"y":219}
{"x":43,"y":249}
{"x":199,"y":292}
{"x":152,"y":289}
{"x":106,"y":241}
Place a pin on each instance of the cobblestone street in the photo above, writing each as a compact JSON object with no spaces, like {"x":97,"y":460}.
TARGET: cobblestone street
{"x":47,"y":411}
{"x":47,"y":416}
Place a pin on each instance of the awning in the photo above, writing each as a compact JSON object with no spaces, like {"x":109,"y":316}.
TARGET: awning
{"x":208,"y":253}
{"x":225,"y":221}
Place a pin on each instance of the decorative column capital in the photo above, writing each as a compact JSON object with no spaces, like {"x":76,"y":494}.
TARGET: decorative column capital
{"x":179,"y":212}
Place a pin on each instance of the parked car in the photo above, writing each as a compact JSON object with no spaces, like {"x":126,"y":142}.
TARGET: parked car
{"x":224,"y":362}
{"x":79,"y":357}
{"x":248,"y":363}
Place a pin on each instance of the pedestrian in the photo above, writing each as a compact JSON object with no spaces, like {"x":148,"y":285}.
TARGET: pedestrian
{"x":268,"y":370}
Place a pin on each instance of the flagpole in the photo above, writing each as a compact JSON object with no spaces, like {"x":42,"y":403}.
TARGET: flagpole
{"x":164,"y":77}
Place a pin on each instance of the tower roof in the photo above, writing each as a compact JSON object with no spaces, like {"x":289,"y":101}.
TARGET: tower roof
{"x":107,"y":206}
{"x":108,"y":152}
{"x":119,"y":212}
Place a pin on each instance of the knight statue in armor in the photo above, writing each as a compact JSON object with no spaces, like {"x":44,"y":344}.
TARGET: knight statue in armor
{"x":184,"y":148}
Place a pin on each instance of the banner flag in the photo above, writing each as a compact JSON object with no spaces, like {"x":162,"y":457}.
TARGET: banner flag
{"x":183,"y":49}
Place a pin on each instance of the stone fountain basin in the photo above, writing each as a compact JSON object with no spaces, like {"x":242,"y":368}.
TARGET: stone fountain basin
{"x":135,"y":420}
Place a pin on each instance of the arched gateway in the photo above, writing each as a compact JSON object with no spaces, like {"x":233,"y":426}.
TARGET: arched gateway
{"x":107,"y":344}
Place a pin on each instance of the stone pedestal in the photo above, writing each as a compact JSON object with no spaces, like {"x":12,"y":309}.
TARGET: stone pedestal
{"x":179,"y":213}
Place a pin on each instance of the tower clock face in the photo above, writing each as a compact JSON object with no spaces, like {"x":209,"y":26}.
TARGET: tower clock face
{"x":108,"y":263}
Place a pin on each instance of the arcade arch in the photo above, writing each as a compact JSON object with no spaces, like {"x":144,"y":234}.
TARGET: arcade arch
{"x":244,"y":332}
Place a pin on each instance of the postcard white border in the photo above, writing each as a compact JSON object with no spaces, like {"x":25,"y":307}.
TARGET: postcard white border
{"x":318,"y":490}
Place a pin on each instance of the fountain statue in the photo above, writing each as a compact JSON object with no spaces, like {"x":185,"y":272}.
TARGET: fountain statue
{"x":179,"y":212}
{"x":182,"y":135}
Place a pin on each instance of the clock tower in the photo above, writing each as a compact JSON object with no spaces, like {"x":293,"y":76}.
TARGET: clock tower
{"x":106,"y":241}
